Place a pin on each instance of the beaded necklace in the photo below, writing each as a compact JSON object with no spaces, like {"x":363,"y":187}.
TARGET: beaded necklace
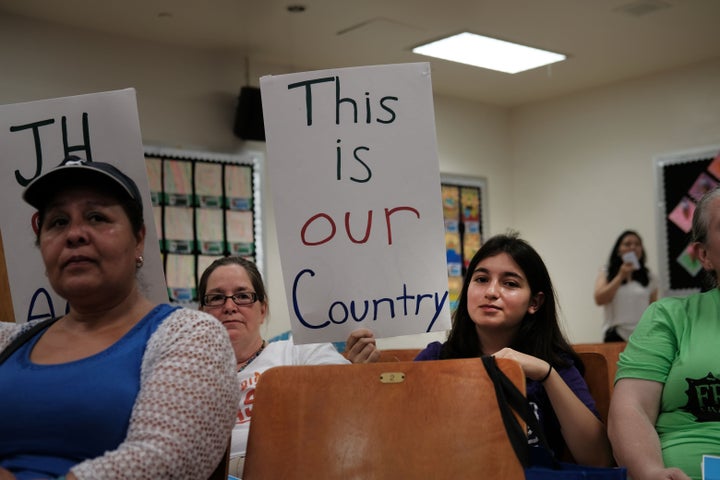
{"x":253,"y":357}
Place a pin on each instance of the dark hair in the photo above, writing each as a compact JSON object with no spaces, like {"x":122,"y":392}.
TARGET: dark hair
{"x":250,"y":268}
{"x":615,"y":261}
{"x":133,"y":207}
{"x":539,"y":334}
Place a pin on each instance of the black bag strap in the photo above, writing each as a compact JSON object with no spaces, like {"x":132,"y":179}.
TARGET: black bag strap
{"x":20,"y":340}
{"x":510,"y":399}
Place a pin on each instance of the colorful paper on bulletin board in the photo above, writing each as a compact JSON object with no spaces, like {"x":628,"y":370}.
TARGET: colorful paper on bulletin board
{"x":453,"y":254}
{"x":682,"y":214}
{"x":157,"y":216}
{"x":702,"y":185}
{"x":240,"y":235}
{"x":178,"y":183}
{"x":470,"y":201}
{"x":453,"y":247}
{"x":179,"y":237}
{"x":689,"y":261}
{"x":154,"y":173}
{"x":455,"y":286}
{"x":204,"y":261}
{"x":714,"y":167}
{"x":180,"y":272}
{"x":472,"y":228}
{"x":210,"y":231}
{"x":238,"y":187}
{"x":471,"y":244}
{"x":208,"y":184}
{"x":451,"y":202}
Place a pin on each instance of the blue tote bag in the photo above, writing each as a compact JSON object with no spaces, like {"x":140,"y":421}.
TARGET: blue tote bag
{"x":538,"y":461}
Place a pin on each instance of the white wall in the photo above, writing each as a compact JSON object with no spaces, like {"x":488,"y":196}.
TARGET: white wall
{"x":569,"y":174}
{"x":583,"y":169}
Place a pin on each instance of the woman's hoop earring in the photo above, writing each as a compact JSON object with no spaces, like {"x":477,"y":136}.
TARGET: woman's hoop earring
{"x":139,"y":261}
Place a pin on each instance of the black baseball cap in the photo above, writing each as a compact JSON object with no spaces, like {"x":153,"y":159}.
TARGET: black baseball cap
{"x":75,"y":170}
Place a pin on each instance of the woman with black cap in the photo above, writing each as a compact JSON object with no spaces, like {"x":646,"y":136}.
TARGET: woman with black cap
{"x":118,"y":387}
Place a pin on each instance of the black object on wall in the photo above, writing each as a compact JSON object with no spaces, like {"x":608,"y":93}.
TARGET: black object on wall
{"x":249,"y":116}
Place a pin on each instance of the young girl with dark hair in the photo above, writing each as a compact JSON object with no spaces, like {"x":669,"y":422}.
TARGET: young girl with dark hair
{"x":507,"y":308}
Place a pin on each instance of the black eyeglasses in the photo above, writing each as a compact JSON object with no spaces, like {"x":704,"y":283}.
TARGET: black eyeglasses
{"x":239,"y":299}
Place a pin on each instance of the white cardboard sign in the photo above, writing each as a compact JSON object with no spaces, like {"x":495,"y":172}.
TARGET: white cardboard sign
{"x":354,"y":175}
{"x":35,"y":137}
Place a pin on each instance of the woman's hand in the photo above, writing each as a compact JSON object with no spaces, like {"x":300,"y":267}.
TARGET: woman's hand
{"x":533,"y":367}
{"x":583,"y":433}
{"x":667,"y":474}
{"x":626,"y":270}
{"x":605,"y":291}
{"x":360,"y":347}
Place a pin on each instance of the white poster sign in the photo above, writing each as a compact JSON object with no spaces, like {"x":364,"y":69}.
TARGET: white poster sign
{"x":35,"y":137}
{"x":354,"y":175}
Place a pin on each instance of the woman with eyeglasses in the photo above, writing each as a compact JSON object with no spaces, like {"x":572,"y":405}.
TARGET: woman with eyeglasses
{"x":232,"y":290}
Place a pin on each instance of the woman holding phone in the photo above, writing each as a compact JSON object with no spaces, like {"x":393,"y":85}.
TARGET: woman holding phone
{"x":624,"y":287}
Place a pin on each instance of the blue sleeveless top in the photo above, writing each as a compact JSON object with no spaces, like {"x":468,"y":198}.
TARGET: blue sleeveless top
{"x":55,"y":416}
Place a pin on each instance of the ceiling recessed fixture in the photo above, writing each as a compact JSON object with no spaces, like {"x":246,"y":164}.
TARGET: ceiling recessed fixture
{"x":642,"y":7}
{"x":486,"y":52}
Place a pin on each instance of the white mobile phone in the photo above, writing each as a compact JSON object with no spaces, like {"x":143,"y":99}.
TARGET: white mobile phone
{"x":630,"y":257}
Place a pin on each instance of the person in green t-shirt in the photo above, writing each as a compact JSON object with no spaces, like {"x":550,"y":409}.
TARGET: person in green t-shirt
{"x":665,"y":409}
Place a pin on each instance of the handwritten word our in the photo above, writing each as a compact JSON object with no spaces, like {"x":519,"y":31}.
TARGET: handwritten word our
{"x":333,"y":228}
{"x":339,"y":312}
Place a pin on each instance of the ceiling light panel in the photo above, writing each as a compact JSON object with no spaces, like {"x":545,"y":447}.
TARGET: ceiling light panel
{"x":486,"y":52}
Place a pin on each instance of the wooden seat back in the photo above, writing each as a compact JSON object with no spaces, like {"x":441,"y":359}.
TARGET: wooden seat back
{"x":596,"y":376}
{"x":399,"y":354}
{"x":395,"y":420}
{"x":610,"y":351}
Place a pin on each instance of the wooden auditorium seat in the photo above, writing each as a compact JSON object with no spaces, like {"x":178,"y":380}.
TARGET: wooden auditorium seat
{"x":394,"y":420}
{"x":599,"y":359}
{"x":610,"y":351}
{"x":596,"y":376}
{"x":399,"y":354}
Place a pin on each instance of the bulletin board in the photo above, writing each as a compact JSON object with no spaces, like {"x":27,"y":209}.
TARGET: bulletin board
{"x":206,"y":206}
{"x":465,"y":215}
{"x":681,"y":180}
